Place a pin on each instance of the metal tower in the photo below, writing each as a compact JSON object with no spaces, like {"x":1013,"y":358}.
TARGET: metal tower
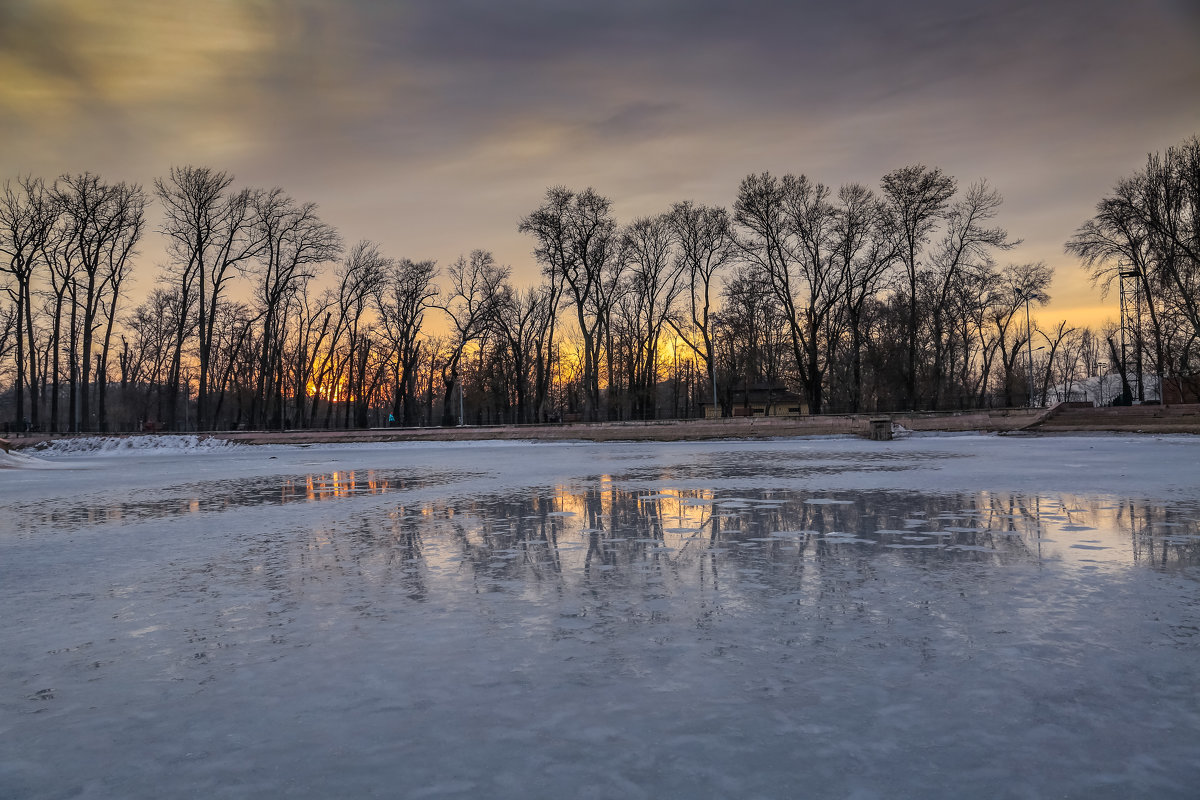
{"x":1131,"y":330}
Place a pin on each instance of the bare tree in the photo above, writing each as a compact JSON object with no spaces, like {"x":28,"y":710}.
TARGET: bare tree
{"x":470,"y":304}
{"x":653,"y":281}
{"x":751,"y":335}
{"x":575,"y":241}
{"x":146,"y":354}
{"x":58,"y":253}
{"x":116,"y":268}
{"x":1113,"y":245}
{"x":212,"y":237}
{"x":296,"y":243}
{"x":401,"y":301}
{"x":705,"y":247}
{"x":1167,"y":202}
{"x":520,"y":321}
{"x":1068,"y":366}
{"x":233,"y":324}
{"x":970,"y":348}
{"x":787,"y":233}
{"x":104,"y":224}
{"x":916,"y":199}
{"x":360,"y":278}
{"x":1054,"y":342}
{"x":338,"y":347}
{"x":544,"y":364}
{"x":863,"y":250}
{"x":965,"y":251}
{"x":9,"y":323}
{"x":28,"y":215}
{"x":1015,"y":284}
{"x":1149,"y":229}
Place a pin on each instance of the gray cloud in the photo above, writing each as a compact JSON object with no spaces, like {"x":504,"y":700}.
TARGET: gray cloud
{"x":433,"y":126}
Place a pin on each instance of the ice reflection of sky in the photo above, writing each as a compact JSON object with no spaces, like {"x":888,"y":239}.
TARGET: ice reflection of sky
{"x":609,"y":527}
{"x":736,"y":466}
{"x":214,"y":496}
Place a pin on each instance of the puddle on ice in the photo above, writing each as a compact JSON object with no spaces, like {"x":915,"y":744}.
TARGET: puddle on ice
{"x":428,"y":634}
{"x":219,"y":496}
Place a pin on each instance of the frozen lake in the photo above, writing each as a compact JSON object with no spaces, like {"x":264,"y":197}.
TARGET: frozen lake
{"x":953,"y":616}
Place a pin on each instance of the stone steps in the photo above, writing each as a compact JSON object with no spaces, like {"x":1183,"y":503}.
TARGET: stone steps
{"x":1183,"y":418}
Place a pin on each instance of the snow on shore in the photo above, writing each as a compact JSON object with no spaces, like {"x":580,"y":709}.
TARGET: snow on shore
{"x":116,"y":444}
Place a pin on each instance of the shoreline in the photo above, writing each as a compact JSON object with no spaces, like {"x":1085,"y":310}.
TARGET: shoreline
{"x":1054,"y":420}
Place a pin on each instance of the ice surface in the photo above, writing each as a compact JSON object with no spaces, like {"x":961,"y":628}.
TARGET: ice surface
{"x":516,"y":620}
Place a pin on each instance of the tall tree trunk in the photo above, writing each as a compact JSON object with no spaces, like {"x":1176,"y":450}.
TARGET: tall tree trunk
{"x":102,"y":385}
{"x":56,"y":346}
{"x":73,"y":422}
{"x":20,"y":384}
{"x":361,"y":402}
{"x":89,"y":313}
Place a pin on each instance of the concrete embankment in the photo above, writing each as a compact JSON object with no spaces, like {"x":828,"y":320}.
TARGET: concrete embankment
{"x":664,"y":430}
{"x":1065,"y":418}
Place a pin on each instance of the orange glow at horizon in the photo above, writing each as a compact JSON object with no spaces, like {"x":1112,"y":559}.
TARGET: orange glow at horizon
{"x":333,"y":394}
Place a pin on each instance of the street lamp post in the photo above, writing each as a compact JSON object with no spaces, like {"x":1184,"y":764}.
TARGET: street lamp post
{"x":1031,"y":397}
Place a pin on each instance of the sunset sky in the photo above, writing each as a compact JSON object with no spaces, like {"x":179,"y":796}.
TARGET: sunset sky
{"x":432,"y":127}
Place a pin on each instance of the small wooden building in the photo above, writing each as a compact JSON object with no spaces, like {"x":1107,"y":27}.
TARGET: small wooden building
{"x":760,"y":400}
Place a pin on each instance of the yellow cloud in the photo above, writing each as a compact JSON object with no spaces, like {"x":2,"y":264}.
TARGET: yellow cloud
{"x":130,"y":64}
{"x":130,"y":50}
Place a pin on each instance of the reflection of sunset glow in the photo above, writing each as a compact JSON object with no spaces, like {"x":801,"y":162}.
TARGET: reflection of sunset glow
{"x":602,"y":526}
{"x":345,"y":484}
{"x":601,"y":522}
{"x":228,"y":494}
{"x":566,"y":501}
{"x":1078,"y":532}
{"x":606,"y":494}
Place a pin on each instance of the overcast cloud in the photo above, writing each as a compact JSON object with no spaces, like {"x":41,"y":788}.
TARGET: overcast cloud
{"x":432,"y":127}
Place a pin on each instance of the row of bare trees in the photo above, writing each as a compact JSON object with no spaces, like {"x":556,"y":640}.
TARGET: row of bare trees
{"x":1147,"y":233}
{"x":859,"y":299}
{"x":803,"y":284}
{"x":68,"y":250}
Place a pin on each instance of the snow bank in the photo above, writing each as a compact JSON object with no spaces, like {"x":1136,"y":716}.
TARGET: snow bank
{"x":17,"y":460}
{"x":115,"y":444}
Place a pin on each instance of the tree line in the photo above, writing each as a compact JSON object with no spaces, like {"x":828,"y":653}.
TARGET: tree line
{"x":1146,"y":235}
{"x":849,"y":299}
